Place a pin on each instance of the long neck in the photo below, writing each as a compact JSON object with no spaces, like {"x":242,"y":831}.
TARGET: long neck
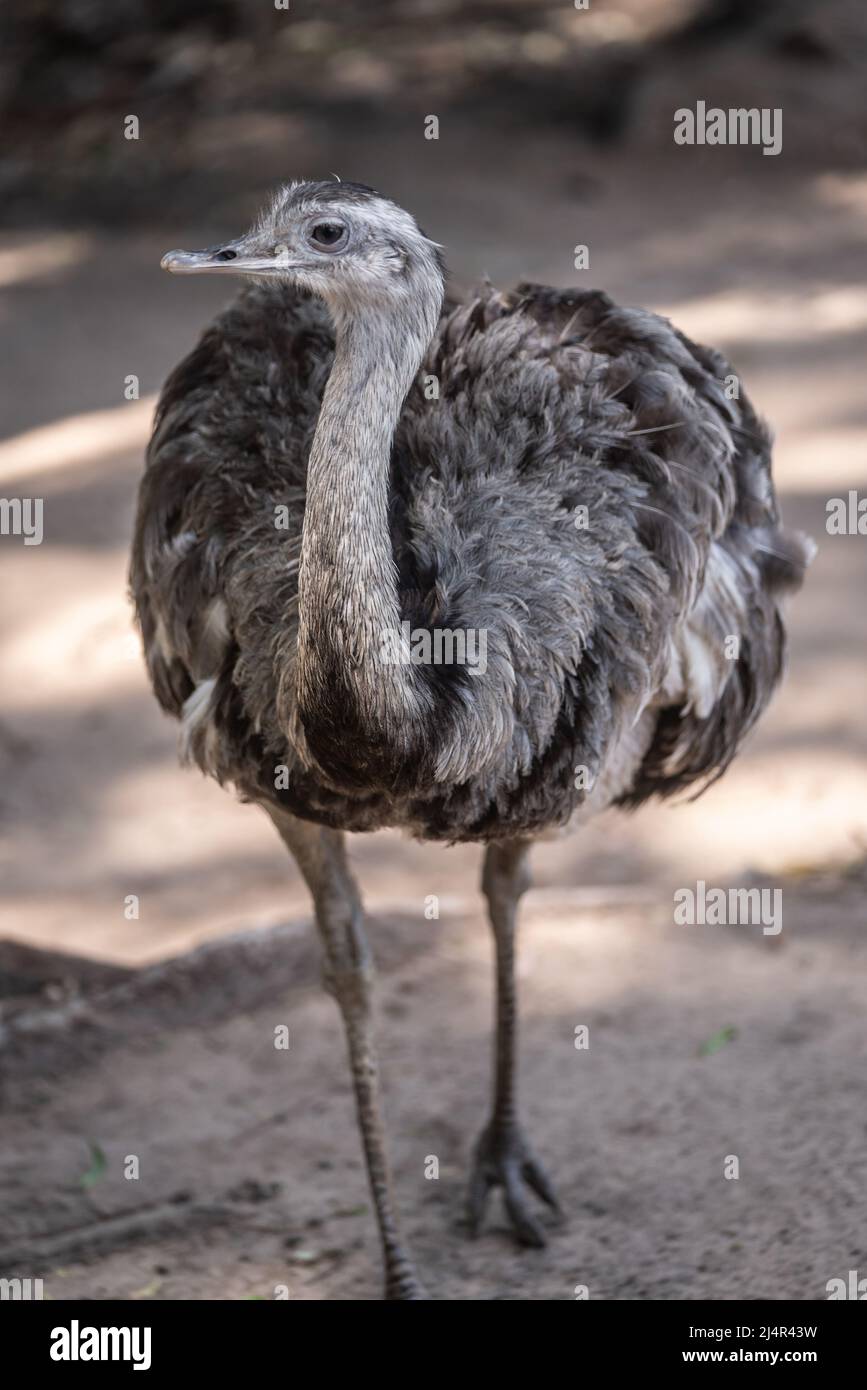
{"x":347,"y":591}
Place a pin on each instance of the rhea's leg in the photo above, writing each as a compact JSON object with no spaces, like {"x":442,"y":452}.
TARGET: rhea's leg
{"x":348,"y":975}
{"x":502,"y":1156}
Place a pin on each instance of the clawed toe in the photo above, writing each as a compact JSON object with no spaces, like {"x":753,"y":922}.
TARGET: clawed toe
{"x":505,"y":1160}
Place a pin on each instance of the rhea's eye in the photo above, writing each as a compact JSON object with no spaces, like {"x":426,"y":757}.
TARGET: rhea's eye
{"x":328,"y":235}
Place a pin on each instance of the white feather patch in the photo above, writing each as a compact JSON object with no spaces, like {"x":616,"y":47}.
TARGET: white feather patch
{"x":195,"y":739}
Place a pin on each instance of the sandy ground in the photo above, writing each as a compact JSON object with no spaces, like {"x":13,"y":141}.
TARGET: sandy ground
{"x":757,"y":256}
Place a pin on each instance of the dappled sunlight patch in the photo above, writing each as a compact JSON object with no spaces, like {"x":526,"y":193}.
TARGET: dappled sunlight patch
{"x":93,"y":925}
{"x":77,"y":439}
{"x":766,"y":813}
{"x":843,"y":190}
{"x":39,"y":257}
{"x":165,"y":818}
{"x":80,"y":649}
{"x":769,"y":317}
{"x":822,"y":460}
{"x":821,"y":702}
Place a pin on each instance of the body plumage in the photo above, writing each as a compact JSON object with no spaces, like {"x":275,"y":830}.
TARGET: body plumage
{"x":548,"y":402}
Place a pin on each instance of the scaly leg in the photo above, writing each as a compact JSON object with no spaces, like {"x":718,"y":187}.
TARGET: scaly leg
{"x":348,"y":975}
{"x":502,"y":1156}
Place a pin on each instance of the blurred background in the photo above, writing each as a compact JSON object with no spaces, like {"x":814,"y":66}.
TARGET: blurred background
{"x":555,"y":129}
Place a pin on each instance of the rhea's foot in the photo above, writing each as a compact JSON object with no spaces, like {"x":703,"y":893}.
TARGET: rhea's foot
{"x":503,"y":1158}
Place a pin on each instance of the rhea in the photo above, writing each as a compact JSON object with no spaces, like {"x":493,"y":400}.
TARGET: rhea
{"x":346,"y":459}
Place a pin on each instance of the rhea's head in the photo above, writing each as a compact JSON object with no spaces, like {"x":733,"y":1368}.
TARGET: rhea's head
{"x":341,"y":241}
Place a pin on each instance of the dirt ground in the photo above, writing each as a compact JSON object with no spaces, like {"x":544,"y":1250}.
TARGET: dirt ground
{"x":127,"y":1044}
{"x":703,"y":1044}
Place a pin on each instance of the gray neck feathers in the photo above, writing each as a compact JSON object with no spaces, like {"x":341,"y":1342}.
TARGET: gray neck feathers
{"x":347,"y":589}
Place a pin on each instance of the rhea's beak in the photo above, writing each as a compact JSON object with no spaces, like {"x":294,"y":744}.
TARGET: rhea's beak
{"x":236,"y":257}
